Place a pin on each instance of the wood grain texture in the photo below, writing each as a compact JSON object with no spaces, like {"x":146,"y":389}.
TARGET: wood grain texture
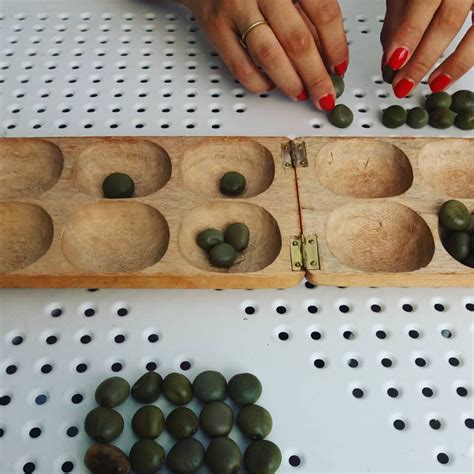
{"x":95,"y":237}
{"x":375,"y":249}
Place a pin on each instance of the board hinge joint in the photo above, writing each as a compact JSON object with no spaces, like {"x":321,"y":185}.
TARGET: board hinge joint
{"x":294,"y":154}
{"x":304,"y":252}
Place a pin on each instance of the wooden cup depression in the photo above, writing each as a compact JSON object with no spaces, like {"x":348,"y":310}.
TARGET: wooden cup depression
{"x":372,"y":203}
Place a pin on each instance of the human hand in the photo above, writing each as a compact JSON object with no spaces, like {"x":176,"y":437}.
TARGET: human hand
{"x":416,"y":33}
{"x":293,"y":51}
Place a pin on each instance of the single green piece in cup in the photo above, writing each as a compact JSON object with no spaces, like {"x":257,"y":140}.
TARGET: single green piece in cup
{"x":465,"y":120}
{"x":458,"y":245}
{"x":216,"y":419}
{"x":106,"y":459}
{"x":338,"y":83}
{"x":388,"y":73}
{"x":182,"y":423}
{"x":417,"y":117}
{"x":254,"y":421}
{"x":438,"y":100}
{"x":442,"y":118}
{"x":262,"y":457}
{"x":223,"y":255}
{"x":454,"y":215}
{"x":112,"y":392}
{"x":146,"y":456}
{"x":147,"y":388}
{"x":462,"y":101}
{"x":103,"y":424}
{"x":394,"y":116}
{"x":341,"y":116}
{"x":232,"y":183}
{"x":244,"y":389}
{"x":223,"y":456}
{"x":210,"y":386}
{"x":237,"y":235}
{"x":186,"y":456}
{"x":208,"y":238}
{"x":118,"y":186}
{"x":148,"y":422}
{"x":177,"y":389}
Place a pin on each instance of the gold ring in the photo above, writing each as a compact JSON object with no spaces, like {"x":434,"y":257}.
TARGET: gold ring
{"x":249,"y":29}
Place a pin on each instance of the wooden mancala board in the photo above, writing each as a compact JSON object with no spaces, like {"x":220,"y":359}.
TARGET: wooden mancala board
{"x":340,"y":211}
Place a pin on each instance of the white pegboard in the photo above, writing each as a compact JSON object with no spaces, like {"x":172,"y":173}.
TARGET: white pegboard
{"x":130,"y":67}
{"x":366,"y":338}
{"x":409,"y":351}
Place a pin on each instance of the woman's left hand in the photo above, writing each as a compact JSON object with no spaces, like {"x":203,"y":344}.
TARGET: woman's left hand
{"x":416,"y":33}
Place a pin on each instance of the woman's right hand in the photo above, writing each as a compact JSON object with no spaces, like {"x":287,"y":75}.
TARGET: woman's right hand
{"x":294,"y":51}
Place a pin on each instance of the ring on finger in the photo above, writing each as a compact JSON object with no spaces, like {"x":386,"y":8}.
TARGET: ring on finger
{"x":248,"y":29}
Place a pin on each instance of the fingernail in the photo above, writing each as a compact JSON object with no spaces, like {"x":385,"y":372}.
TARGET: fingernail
{"x":271,"y":88}
{"x":341,"y":69}
{"x":327,"y":102}
{"x":403,"y":88}
{"x":302,"y":96}
{"x":440,"y":82}
{"x":398,"y":58}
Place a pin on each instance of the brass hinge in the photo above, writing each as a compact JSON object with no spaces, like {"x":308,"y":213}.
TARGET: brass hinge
{"x":304,"y":252}
{"x":294,"y":154}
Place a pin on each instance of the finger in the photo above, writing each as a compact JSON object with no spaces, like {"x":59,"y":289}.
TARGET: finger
{"x":393,"y":18}
{"x":456,"y":65}
{"x":269,"y":54}
{"x":327,"y":18}
{"x":416,"y":18}
{"x":444,"y":27}
{"x":299,"y":45}
{"x":226,"y":41}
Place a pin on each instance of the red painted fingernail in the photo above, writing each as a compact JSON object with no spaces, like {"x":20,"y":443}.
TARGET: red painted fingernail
{"x":440,"y":83}
{"x":403,"y":88}
{"x":341,"y":69}
{"x":327,"y":102}
{"x":398,"y":58}
{"x":271,"y":88}
{"x":303,"y":96}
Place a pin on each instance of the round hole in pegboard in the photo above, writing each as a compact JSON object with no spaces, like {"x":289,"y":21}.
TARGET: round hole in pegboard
{"x":29,"y":467}
{"x":399,"y":424}
{"x":427,"y":391}
{"x":190,"y":124}
{"x":387,"y":361}
{"x":165,"y":124}
{"x":2,"y":431}
{"x":295,"y":460}
{"x":454,"y":359}
{"x":67,"y":466}
{"x":46,"y":368}
{"x":440,"y":306}
{"x":72,"y":431}
{"x":5,"y":400}
{"x":11,"y":369}
{"x":117,"y":366}
{"x":349,"y":334}
{"x":393,"y":392}
{"x":319,"y":361}
{"x":151,"y":366}
{"x":85,"y":339}
{"x":469,"y":423}
{"x":35,"y":432}
{"x":434,"y":424}
{"x":315,"y":334}
{"x":81,"y":367}
{"x":77,"y":398}
{"x":443,"y":458}
{"x":121,"y":309}
{"x":358,"y":392}
{"x":40,"y":108}
{"x":462,"y":391}
{"x":420,"y":361}
{"x":281,"y":308}
{"x":376,"y":307}
{"x":16,"y":338}
{"x":51,"y":339}
{"x":358,"y":93}
{"x":282,"y":333}
{"x":352,"y":361}
{"x":215,"y":124}
{"x":40,"y":398}
{"x":239,"y":108}
{"x":185,"y":365}
{"x":380,"y":333}
{"x":153,"y":337}
{"x":470,"y":306}
{"x":447,"y":333}
{"x":366,"y":123}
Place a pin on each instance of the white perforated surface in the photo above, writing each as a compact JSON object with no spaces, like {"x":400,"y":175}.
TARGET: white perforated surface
{"x":316,"y":416}
{"x":144,"y":67}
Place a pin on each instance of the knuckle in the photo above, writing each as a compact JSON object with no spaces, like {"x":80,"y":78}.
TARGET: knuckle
{"x":319,"y":83}
{"x":328,"y":12}
{"x":461,"y":65}
{"x":242,"y":72}
{"x":267,"y":54}
{"x":411,"y":31}
{"x":298,"y":42}
{"x":451,"y":19}
{"x":419,"y":68}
